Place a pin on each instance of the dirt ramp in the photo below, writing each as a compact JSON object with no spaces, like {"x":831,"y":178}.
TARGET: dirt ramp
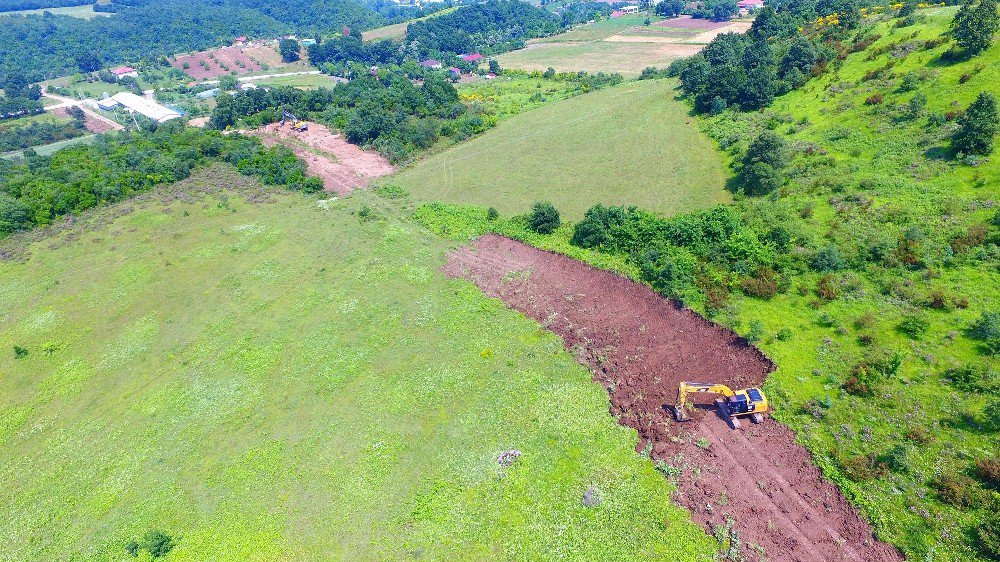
{"x":342,"y":166}
{"x":640,"y":346}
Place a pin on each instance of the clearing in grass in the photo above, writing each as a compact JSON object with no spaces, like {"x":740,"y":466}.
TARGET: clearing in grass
{"x":256,"y":376}
{"x":631,"y":145}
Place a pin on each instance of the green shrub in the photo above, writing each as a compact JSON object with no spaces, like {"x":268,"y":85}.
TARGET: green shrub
{"x":864,"y":467}
{"x":670,"y":271}
{"x":828,"y":288}
{"x":988,"y":534}
{"x":828,"y":259}
{"x":757,"y":331}
{"x":972,"y":378}
{"x":763,"y":285}
{"x":20,"y":352}
{"x":155,"y":542}
{"x":492,"y":214}
{"x":914,"y":325}
{"x":989,"y":471}
{"x":899,"y":458}
{"x":784,"y":334}
{"x":958,"y":490}
{"x":544,"y":218}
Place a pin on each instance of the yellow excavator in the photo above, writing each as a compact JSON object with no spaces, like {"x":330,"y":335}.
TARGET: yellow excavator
{"x":737,"y":403}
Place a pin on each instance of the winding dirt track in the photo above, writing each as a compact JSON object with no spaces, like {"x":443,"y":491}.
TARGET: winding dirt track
{"x":640,"y":346}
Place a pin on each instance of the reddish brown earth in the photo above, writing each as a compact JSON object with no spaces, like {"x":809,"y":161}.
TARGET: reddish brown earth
{"x":342,"y":166}
{"x":226,"y":60}
{"x":93,"y":122}
{"x":640,"y":346}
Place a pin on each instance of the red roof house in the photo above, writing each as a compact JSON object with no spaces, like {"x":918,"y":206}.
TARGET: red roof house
{"x":476,"y":57}
{"x":617,"y":14}
{"x":123,"y":70}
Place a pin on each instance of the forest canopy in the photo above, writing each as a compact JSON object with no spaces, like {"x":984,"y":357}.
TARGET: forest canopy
{"x":46,"y":45}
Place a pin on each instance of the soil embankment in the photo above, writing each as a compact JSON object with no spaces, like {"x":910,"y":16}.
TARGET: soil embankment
{"x":640,"y":346}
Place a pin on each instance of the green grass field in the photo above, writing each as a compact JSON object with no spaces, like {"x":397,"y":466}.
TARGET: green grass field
{"x":85,"y":11}
{"x":278,"y":380}
{"x":632,"y":144}
{"x":305,"y":81}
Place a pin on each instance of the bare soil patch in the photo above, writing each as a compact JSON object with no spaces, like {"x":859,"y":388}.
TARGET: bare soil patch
{"x":92,"y":122}
{"x":215,"y":63}
{"x":640,"y":346}
{"x":342,"y":166}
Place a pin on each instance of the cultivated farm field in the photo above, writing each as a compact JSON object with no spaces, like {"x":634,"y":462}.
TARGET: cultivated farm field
{"x":623,"y":45}
{"x":261,"y":376}
{"x":629,"y":145}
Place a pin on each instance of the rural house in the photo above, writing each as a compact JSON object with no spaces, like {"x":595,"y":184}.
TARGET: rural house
{"x":433,"y":64}
{"x":749,"y":6}
{"x":475,"y":57}
{"x":124,"y":71}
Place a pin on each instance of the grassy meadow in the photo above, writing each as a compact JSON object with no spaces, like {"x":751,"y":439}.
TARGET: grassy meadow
{"x":266,"y":376}
{"x":623,"y":45}
{"x":632,"y":144}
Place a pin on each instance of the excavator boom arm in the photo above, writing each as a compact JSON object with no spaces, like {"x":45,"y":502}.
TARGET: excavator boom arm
{"x":686,"y":388}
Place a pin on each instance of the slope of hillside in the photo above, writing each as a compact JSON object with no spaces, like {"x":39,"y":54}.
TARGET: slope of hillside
{"x":629,"y":145}
{"x":871,"y":277}
{"x":260,"y":377}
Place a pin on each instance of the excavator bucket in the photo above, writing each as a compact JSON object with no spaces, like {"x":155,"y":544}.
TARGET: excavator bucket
{"x":680,"y":415}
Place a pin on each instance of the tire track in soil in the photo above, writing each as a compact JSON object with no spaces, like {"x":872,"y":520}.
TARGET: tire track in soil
{"x":639,"y":347}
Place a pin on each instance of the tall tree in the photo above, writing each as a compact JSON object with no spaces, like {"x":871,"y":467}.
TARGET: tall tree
{"x":977,"y":127}
{"x":974,"y":26}
{"x":289,"y":49}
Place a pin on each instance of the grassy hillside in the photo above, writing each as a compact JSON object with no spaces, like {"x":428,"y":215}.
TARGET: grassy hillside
{"x":632,"y":145}
{"x":915,"y":239}
{"x":261,"y":377}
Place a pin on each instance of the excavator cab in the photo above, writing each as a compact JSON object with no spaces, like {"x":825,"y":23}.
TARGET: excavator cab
{"x":747,"y":402}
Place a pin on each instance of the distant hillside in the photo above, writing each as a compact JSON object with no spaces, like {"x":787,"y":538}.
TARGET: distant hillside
{"x":45,"y":46}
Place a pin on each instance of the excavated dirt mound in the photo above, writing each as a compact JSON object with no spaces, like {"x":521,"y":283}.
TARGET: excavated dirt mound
{"x":640,"y":346}
{"x":342,"y":166}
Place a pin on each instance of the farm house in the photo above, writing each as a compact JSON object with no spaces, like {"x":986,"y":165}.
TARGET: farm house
{"x":142,"y":106}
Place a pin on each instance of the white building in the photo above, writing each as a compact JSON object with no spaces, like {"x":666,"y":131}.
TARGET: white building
{"x":142,"y":106}
{"x":629,"y":10}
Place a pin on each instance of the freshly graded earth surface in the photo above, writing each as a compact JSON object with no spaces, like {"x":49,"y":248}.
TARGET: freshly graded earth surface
{"x":342,"y":166}
{"x":640,"y":346}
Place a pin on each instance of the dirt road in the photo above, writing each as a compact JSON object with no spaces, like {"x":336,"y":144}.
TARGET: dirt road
{"x":640,"y":346}
{"x":342,"y":166}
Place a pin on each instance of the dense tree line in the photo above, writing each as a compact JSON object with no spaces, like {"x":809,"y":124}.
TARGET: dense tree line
{"x":748,"y":71}
{"x":581,"y":12}
{"x":46,"y":46}
{"x":37,"y":134}
{"x":347,"y":49}
{"x":493,"y":27}
{"x":390,"y":113}
{"x":39,"y":189}
{"x":17,"y":5}
{"x":18,"y":98}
